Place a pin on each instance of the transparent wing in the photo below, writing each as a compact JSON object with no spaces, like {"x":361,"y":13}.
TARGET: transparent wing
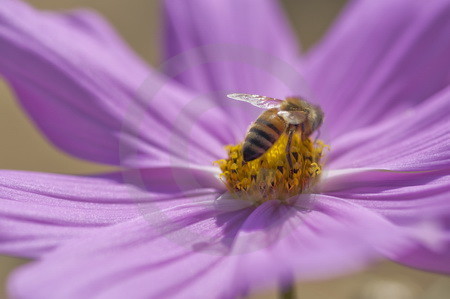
{"x":256,"y":100}
{"x":293,"y":117}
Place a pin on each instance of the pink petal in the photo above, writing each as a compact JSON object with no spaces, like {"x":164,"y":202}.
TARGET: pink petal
{"x":333,"y":238}
{"x":41,"y":211}
{"x":436,"y":258}
{"x":213,"y":248}
{"x":415,"y":140}
{"x":379,"y":59}
{"x":416,"y":201}
{"x":403,"y":197}
{"x":220,"y":47}
{"x":92,"y":97}
{"x":401,"y":171}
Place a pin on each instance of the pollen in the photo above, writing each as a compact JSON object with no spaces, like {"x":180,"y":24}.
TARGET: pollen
{"x":270,"y":176}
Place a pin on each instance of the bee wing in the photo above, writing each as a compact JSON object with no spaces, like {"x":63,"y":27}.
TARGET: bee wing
{"x":256,"y":100}
{"x":293,"y":117}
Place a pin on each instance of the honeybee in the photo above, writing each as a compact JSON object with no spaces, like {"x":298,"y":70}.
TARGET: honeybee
{"x":282,"y":116}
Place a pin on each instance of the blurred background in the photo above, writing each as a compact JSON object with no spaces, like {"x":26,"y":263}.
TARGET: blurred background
{"x":137,"y":21}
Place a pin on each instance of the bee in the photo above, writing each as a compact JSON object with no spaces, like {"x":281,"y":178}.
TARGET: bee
{"x":282,"y":116}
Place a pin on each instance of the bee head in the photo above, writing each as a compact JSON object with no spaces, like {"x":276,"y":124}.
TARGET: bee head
{"x":317,"y":117}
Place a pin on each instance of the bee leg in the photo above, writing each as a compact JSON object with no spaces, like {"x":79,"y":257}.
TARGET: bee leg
{"x":302,"y":126}
{"x":317,"y":136}
{"x":291,"y":131}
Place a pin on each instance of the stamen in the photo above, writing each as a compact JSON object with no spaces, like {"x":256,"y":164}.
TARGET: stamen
{"x":270,"y":177}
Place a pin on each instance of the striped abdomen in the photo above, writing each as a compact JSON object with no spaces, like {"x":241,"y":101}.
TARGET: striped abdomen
{"x":262,"y":134}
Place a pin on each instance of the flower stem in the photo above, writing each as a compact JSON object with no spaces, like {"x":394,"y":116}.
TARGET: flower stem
{"x":288,"y":292}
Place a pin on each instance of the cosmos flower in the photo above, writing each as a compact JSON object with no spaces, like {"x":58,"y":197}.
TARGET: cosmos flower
{"x":164,"y":225}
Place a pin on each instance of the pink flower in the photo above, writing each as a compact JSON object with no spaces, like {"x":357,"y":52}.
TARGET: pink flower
{"x":156,"y":229}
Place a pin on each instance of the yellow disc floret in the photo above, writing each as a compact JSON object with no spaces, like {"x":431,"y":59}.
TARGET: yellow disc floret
{"x":270,"y":177}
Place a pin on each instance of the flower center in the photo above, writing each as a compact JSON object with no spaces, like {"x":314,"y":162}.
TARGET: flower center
{"x":270,"y":176}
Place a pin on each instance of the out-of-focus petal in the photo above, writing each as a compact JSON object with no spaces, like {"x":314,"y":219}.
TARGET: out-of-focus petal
{"x":428,"y":258}
{"x":92,"y":97}
{"x":415,"y":140}
{"x":227,"y":46}
{"x":40,"y":211}
{"x":380,"y":58}
{"x":221,"y":249}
